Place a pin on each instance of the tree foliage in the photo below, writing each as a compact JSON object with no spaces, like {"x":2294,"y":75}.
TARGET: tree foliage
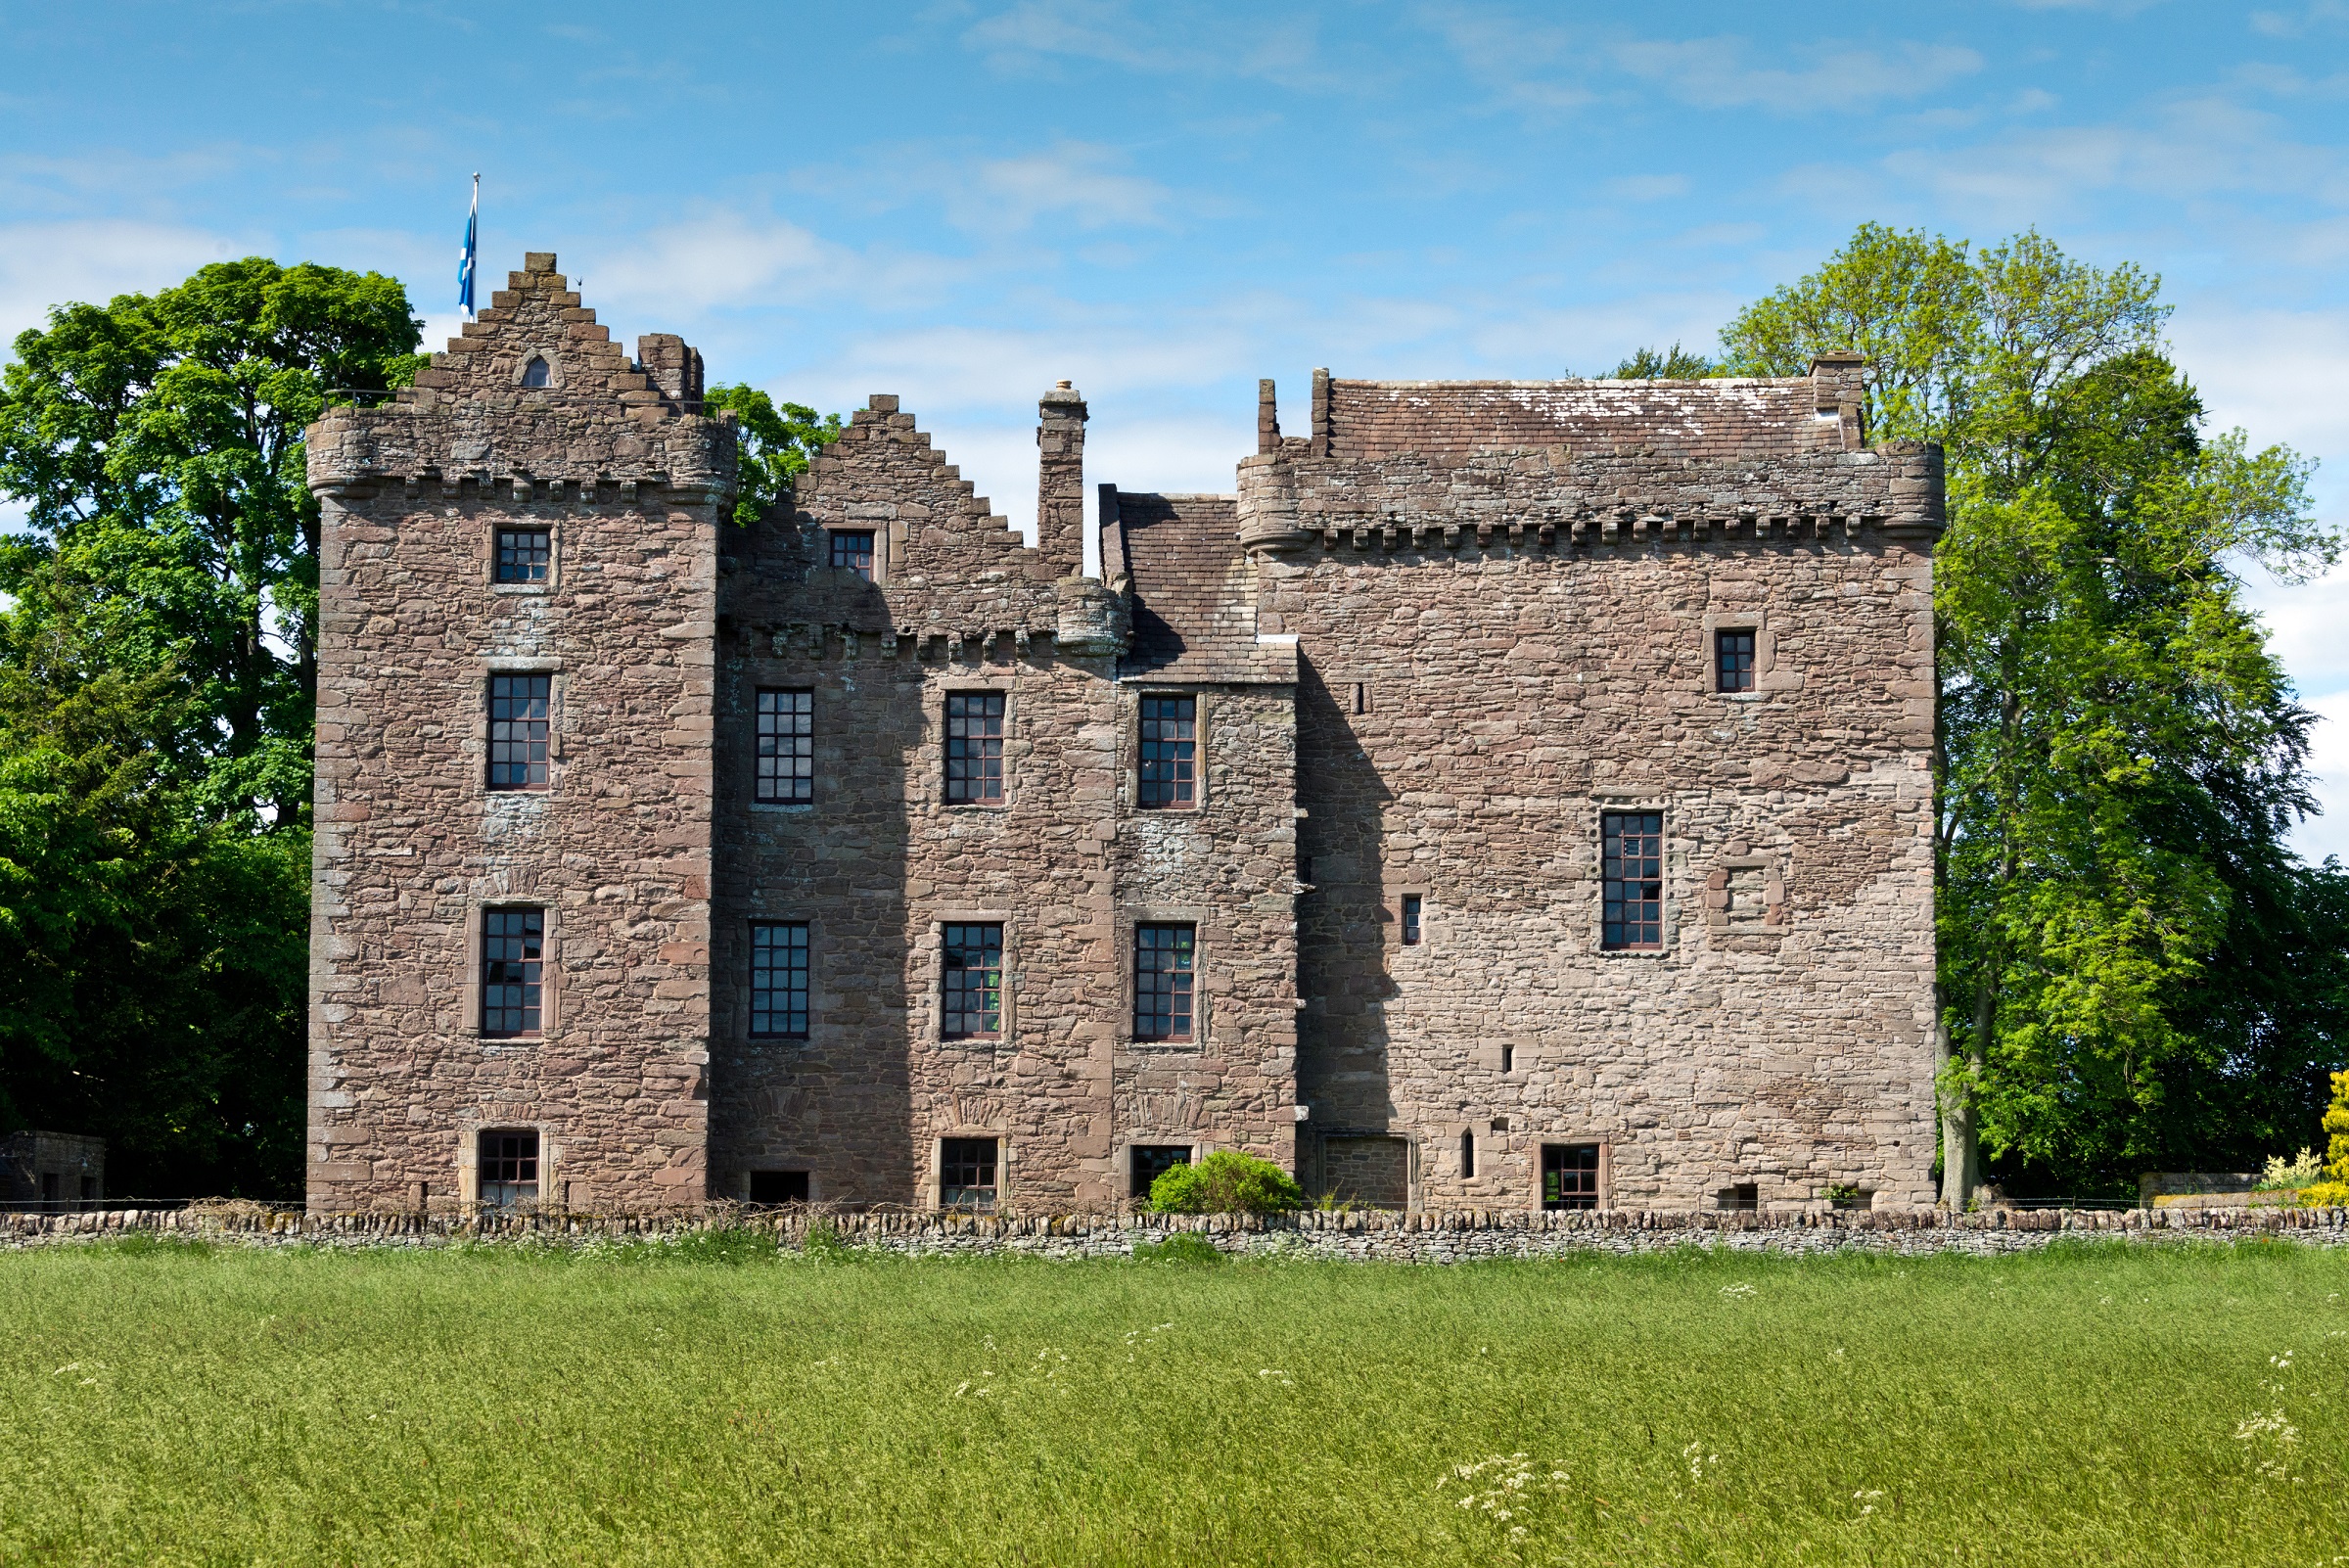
{"x":2134,"y":969}
{"x":1674,"y":364}
{"x":777,"y":440}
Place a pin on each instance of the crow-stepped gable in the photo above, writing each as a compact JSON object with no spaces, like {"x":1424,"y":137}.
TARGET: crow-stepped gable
{"x":1514,"y":794}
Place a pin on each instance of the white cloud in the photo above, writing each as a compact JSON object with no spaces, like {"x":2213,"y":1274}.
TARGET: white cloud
{"x":44,"y":265}
{"x":1718,"y":73}
{"x":2329,"y":761}
{"x":2279,"y":375}
{"x":729,"y":260}
{"x":1075,"y":179}
{"x":1158,"y":39}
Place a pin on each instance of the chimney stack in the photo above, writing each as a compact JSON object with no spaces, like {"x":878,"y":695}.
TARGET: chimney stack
{"x":1060,"y":479}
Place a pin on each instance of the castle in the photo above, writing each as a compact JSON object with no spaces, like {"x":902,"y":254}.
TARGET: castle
{"x":1515,"y":796}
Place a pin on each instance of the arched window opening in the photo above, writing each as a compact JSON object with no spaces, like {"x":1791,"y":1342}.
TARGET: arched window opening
{"x":534,"y":373}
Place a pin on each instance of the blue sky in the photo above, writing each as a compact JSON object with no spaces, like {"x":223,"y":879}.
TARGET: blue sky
{"x":961,"y":201}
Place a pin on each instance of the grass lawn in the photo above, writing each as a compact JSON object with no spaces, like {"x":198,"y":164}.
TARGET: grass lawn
{"x":164,"y":1404}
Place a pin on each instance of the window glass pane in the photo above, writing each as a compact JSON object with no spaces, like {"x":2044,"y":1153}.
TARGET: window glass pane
{"x":1410,"y":919}
{"x":974,"y":748}
{"x":1733,"y":661}
{"x":508,"y":1168}
{"x":967,"y":1173}
{"x":512,"y":970}
{"x":1168,"y":744}
{"x":852,"y":551}
{"x":520,"y":706}
{"x":974,"y":982}
{"x":1152,"y":1160}
{"x":1632,"y":872}
{"x":522,"y":554}
{"x":1569,"y":1175}
{"x":779,"y":980}
{"x":1161,"y":982}
{"x":786,"y":748}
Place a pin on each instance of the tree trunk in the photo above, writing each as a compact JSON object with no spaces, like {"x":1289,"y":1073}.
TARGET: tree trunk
{"x":1960,"y":1163}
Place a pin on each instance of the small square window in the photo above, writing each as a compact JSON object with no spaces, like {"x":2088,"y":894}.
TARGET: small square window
{"x":1732,"y":661}
{"x":1152,"y":1160}
{"x":513,"y":970}
{"x":786,"y":748}
{"x":524,"y":554}
{"x":974,"y":748}
{"x":509,"y":1169}
{"x":852,"y":551}
{"x":1569,"y":1175}
{"x":521,"y":723}
{"x":1161,"y":982}
{"x":778,"y":1187}
{"x":1410,"y":919}
{"x":1632,"y":874}
{"x":1744,"y":1197}
{"x":966,"y":1173}
{"x":974,"y":982}
{"x":1169,"y":743}
{"x":779,"y":980}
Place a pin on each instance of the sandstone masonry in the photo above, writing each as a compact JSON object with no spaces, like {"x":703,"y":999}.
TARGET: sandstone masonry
{"x":1428,"y":659}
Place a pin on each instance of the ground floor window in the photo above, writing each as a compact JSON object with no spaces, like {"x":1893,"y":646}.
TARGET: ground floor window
{"x":778,"y":1187}
{"x":1743,"y":1198}
{"x":966,"y":1173}
{"x":1154,"y":1160}
{"x":1569,"y":1175}
{"x":509,"y":1169}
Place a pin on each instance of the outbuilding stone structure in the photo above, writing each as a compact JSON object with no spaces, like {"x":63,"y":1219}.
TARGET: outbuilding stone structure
{"x":1514,"y":796}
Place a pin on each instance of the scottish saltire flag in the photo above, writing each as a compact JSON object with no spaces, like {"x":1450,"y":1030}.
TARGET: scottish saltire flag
{"x":465,"y":262}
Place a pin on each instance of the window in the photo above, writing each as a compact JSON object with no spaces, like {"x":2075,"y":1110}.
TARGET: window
{"x":513,"y":944}
{"x":974,"y":982}
{"x":1169,"y":763}
{"x":779,"y":980}
{"x":1732,"y":661}
{"x":1152,"y":1160}
{"x":786,"y":748}
{"x":519,"y":710}
{"x":509,"y":1169}
{"x":1632,"y":867}
{"x":524,"y":554}
{"x":51,"y":1188}
{"x":1161,"y":982}
{"x":1467,"y":1152}
{"x":1569,"y":1175}
{"x":778,"y":1187}
{"x":1508,"y":1057}
{"x":1410,"y":919}
{"x":536,"y":373}
{"x":966,"y":1173}
{"x":974,"y":748}
{"x":1745,"y":1197}
{"x":854,"y":552}
{"x":1362,"y":697}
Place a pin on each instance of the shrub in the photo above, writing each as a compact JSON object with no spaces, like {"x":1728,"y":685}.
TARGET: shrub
{"x":2334,"y":1194}
{"x":1184,"y":1247}
{"x":1226,"y":1182}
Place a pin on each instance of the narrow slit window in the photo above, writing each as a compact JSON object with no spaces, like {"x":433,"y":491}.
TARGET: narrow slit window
{"x":1508,"y":1057}
{"x":1569,"y":1175}
{"x":974,"y":748}
{"x":786,"y":748}
{"x":1152,"y":1160}
{"x":974,"y":982}
{"x":508,"y":1168}
{"x":512,"y":971}
{"x":1170,"y":760}
{"x":524,"y":554}
{"x":1467,"y":1152}
{"x":1632,"y":874}
{"x":1410,"y":919}
{"x":966,"y":1171}
{"x":1362,"y":697}
{"x":779,"y":980}
{"x":537,"y":373}
{"x":1733,"y":661}
{"x":852,"y":551}
{"x":521,"y":712}
{"x":1163,"y":965}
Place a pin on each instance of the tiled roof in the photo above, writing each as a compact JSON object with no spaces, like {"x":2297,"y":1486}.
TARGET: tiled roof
{"x":1194,"y":592}
{"x":1723,"y":419}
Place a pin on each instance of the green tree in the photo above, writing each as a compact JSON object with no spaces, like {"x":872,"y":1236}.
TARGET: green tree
{"x":157,"y":443}
{"x":777,"y":442}
{"x":2117,"y":755}
{"x":1676,"y":364}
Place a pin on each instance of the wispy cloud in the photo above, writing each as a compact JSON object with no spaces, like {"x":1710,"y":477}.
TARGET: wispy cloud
{"x":1725,"y":74}
{"x":1082,"y":182}
{"x":1032,"y":35}
{"x":45,"y":264}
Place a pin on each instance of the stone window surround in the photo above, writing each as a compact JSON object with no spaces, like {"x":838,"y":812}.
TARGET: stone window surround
{"x":1390,"y":913}
{"x":934,"y":988}
{"x":552,"y":1190}
{"x":958,"y":683}
{"x":498,"y":522}
{"x":934,"y":1183}
{"x":882,"y":537}
{"x":550,"y":972}
{"x":1208,"y":936}
{"x":554,"y":367}
{"x":1676,"y":856}
{"x":1129,"y":745}
{"x":1765,"y":655}
{"x":1532,"y":1143}
{"x":1775,"y":905}
{"x":505,"y":665}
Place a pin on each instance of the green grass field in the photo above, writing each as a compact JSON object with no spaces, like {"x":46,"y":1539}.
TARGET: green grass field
{"x":715,"y":1404}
